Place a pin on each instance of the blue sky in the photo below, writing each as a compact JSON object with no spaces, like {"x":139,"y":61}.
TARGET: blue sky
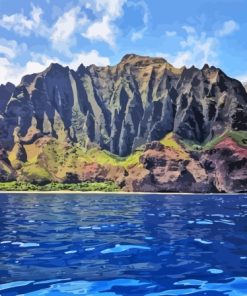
{"x":193,"y":32}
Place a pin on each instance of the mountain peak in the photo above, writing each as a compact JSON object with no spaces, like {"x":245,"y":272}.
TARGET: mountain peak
{"x":141,"y":60}
{"x":129,"y":56}
{"x":9,"y":86}
{"x":52,"y":68}
{"x":56,"y":67}
{"x":81,"y":70}
{"x":207,"y":67}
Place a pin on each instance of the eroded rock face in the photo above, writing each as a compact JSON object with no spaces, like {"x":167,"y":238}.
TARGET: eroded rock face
{"x":165,"y":170}
{"x":6,"y":92}
{"x":121,"y":107}
{"x":223,"y":169}
{"x":227,"y":166}
{"x":7,"y":173}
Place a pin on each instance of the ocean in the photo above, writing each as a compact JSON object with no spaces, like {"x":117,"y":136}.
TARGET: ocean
{"x":123,"y":244}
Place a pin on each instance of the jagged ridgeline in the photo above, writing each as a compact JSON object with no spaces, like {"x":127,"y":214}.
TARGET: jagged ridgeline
{"x":122,"y":107}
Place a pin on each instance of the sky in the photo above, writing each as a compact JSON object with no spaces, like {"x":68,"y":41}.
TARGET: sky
{"x":185,"y":32}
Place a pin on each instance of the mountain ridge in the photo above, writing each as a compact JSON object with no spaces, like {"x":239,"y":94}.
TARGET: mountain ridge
{"x":121,"y":109}
{"x":134,"y":81}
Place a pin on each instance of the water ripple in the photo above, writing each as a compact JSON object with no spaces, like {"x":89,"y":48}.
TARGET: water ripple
{"x":123,"y":244}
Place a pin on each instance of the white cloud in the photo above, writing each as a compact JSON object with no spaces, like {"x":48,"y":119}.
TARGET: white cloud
{"x":10,"y":48}
{"x":63,"y":31}
{"x":36,"y":14}
{"x":98,"y":25}
{"x":103,"y":28}
{"x":65,"y":26}
{"x":21,"y":24}
{"x":138,"y":34}
{"x":228,"y":28}
{"x":171,"y":33}
{"x":112,"y":8}
{"x":198,"y":48}
{"x":13,"y":72}
{"x":6,"y":70}
{"x":85,"y":58}
{"x":195,"y":49}
{"x":189,"y":29}
{"x":89,"y":58}
{"x":7,"y":51}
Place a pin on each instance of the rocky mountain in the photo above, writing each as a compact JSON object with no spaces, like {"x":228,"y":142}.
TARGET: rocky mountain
{"x":118,"y":110}
{"x":6,"y":92}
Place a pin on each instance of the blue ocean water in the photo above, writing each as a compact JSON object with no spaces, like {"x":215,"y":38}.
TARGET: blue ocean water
{"x":115,"y":244}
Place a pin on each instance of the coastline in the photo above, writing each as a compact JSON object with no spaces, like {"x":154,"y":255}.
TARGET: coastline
{"x":115,"y":192}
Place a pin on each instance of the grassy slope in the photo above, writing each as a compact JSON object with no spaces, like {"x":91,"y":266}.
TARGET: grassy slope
{"x":56,"y":158}
{"x":59,"y":158}
{"x":170,"y":141}
{"x":240,"y":137}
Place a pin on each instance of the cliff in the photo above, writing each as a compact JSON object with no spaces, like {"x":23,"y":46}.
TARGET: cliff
{"x":117,"y":123}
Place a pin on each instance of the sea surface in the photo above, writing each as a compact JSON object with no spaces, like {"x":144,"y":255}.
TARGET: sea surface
{"x":117,"y":244}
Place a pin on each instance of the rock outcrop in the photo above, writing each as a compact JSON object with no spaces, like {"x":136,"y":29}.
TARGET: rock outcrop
{"x":226,"y":166}
{"x":6,"y":92}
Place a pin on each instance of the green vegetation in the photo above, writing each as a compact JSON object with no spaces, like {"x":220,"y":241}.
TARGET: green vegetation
{"x":192,"y":146}
{"x":53,"y":160}
{"x":60,"y":159}
{"x":211,"y":144}
{"x":104,"y":157}
{"x":170,"y":141}
{"x":85,"y":186}
{"x":35,"y":173}
{"x":240,"y":137}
